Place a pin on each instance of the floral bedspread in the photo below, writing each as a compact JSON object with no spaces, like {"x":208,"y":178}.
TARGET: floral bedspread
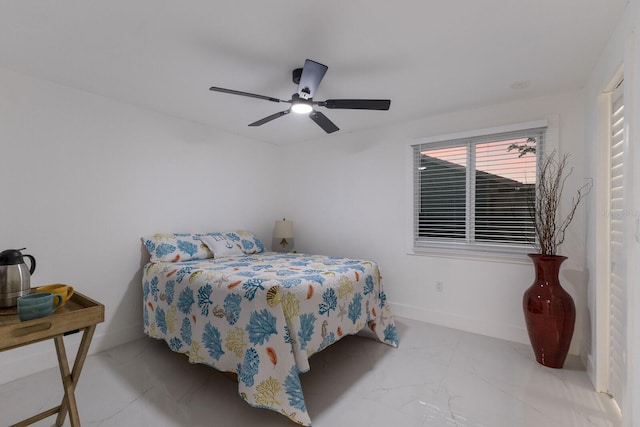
{"x":262,"y":316}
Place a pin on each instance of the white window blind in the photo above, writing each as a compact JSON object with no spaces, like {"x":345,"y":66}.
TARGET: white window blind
{"x":476,"y":192}
{"x":617,"y":254}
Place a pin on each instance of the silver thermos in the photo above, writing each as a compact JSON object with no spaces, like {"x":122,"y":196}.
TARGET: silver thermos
{"x":14,"y":276}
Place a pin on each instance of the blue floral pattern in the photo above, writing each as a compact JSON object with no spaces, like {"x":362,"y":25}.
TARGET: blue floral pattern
{"x":262,"y":316}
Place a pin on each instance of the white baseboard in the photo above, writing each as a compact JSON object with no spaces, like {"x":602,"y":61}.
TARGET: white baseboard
{"x":591,"y":371}
{"x":28,"y":360}
{"x":487,"y":328}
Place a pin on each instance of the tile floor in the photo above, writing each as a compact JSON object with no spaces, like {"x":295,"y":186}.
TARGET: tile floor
{"x":437,"y":377}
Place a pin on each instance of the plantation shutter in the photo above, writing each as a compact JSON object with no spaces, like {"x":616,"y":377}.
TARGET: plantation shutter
{"x":441,"y":193}
{"x":476,"y":191}
{"x":617,"y":257}
{"x":504,"y":186}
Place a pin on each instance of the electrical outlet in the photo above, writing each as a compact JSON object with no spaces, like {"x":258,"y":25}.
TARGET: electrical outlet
{"x":439,"y":286}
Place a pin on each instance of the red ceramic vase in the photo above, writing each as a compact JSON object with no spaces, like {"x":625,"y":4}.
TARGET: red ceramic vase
{"x":549,"y":312}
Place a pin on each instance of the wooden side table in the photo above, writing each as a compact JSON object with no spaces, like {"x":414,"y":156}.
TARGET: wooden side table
{"x":79,"y":313}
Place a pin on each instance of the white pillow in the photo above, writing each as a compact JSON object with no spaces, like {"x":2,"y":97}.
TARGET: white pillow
{"x":221,"y":246}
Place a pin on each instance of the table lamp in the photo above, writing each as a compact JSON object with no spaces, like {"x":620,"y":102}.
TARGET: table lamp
{"x":283,"y":236}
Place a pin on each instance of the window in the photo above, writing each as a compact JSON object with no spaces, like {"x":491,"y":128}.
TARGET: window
{"x":475,"y":193}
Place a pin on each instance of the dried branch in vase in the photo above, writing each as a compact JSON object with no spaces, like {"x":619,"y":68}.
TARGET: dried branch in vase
{"x":549,"y":228}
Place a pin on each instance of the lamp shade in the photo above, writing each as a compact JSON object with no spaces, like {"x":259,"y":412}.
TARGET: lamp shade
{"x":283,"y":236}
{"x":283,"y":229}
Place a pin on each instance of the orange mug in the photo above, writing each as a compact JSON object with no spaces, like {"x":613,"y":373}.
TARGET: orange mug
{"x":65,"y":291}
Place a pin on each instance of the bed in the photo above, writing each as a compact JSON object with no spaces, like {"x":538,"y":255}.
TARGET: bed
{"x":258,"y":314}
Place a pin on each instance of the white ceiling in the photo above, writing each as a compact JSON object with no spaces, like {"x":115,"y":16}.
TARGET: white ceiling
{"x":427,"y":56}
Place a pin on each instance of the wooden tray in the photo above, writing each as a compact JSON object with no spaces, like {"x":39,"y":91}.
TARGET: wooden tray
{"x":78,"y":313}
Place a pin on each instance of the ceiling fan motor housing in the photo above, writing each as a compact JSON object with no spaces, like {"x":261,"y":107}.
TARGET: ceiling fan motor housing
{"x":296,"y":75}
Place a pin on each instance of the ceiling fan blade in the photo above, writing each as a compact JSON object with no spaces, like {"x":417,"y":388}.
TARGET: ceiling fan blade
{"x":323,"y":121}
{"x":312,"y":74}
{"x":252,"y":95}
{"x":357,"y":104}
{"x":269,"y":118}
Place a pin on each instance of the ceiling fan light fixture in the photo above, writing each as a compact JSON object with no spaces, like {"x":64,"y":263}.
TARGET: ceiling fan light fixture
{"x":301,"y":108}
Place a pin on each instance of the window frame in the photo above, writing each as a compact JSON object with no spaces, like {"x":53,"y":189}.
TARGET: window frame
{"x":463,"y":249}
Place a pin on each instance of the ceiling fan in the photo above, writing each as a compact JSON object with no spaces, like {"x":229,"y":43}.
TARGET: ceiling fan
{"x":308,"y":78}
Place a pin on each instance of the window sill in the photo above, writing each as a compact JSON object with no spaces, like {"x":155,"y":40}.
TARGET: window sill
{"x":512,"y":255}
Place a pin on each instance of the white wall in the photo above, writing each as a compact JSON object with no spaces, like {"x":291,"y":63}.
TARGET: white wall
{"x":622,"y":52}
{"x":351,"y":196}
{"x":83,"y":178}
